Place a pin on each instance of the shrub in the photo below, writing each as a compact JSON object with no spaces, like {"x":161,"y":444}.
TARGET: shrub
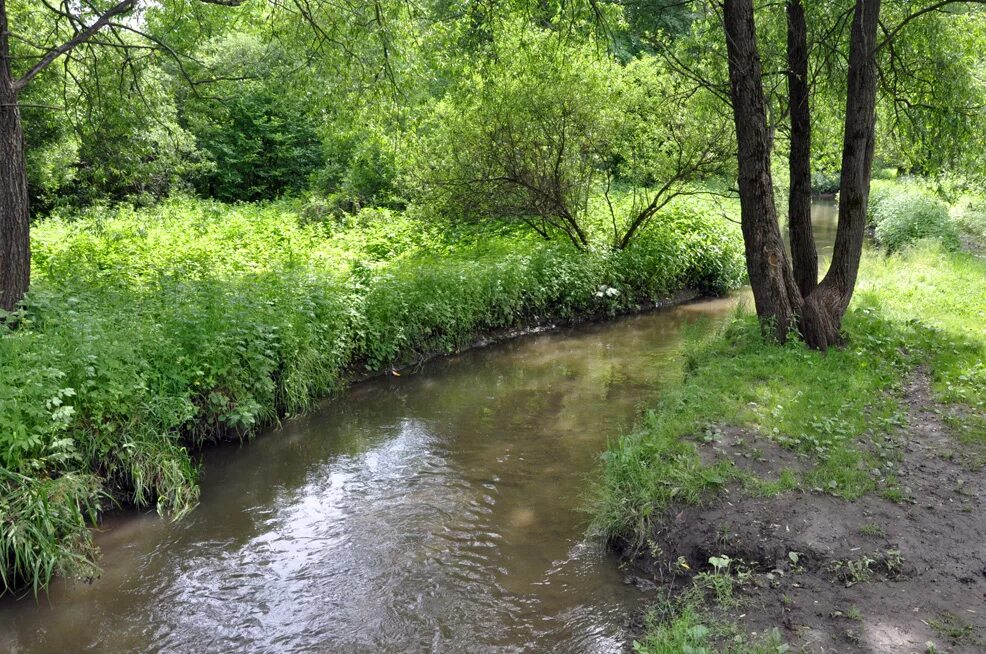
{"x":908,"y":215}
{"x":825,"y":181}
{"x":969,"y":215}
{"x":534,"y":137}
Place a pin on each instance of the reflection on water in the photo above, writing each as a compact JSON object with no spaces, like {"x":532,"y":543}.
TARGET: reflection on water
{"x":824,"y":220}
{"x":435,"y":512}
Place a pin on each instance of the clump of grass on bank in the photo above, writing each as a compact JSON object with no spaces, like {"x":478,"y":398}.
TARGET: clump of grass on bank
{"x":148,"y":333}
{"x":925,"y":306}
{"x":688,"y":626}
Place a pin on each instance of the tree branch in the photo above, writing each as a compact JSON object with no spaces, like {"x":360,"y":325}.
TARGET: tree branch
{"x":921,"y":12}
{"x":81,"y":36}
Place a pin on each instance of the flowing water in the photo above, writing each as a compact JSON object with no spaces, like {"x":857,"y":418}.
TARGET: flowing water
{"x":432,"y":512}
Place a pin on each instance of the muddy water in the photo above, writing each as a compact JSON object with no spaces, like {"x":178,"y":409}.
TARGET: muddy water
{"x":431,"y":512}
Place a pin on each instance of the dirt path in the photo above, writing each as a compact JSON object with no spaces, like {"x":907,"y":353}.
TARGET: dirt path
{"x":871,"y":576}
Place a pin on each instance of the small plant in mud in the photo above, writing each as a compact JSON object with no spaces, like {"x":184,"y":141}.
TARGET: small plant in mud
{"x":892,"y":563}
{"x":796,"y":564}
{"x":722,"y":534}
{"x":872,"y":529}
{"x":852,"y":613}
{"x":949,"y":626}
{"x":727,"y":574}
{"x":853,"y":571}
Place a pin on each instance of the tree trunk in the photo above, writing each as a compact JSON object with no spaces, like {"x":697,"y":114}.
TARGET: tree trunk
{"x":15,"y":245}
{"x":827,"y":305}
{"x":804,"y":256}
{"x":774,"y":290}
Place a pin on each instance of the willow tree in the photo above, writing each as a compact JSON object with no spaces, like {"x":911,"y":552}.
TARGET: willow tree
{"x":787,"y":292}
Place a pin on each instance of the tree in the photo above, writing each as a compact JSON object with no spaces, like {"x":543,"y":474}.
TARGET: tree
{"x":787,"y":293}
{"x":77,"y":25}
{"x":534,"y":135}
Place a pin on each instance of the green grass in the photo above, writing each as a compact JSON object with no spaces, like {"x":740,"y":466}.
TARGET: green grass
{"x":149,"y":333}
{"x":690,"y":625}
{"x":924,"y":307}
{"x":951,"y":627}
{"x":840,"y":409}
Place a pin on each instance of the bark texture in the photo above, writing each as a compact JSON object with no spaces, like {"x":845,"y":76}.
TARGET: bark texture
{"x":774,"y":290}
{"x":804,"y":256}
{"x":827,"y":305}
{"x":15,"y":246}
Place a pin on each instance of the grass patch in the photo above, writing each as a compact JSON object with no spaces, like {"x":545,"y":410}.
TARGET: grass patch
{"x":690,"y":625}
{"x":925,"y":306}
{"x":954,"y":629}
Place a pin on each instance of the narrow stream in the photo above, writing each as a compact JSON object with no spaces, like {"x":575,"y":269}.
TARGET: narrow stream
{"x":432,"y":512}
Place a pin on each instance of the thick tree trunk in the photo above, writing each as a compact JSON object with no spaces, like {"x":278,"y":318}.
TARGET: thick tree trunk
{"x":827,"y":305}
{"x":804,"y":256}
{"x":774,"y":290}
{"x":15,"y":252}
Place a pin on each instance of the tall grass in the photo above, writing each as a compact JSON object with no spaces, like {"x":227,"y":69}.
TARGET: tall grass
{"x":149,"y":333}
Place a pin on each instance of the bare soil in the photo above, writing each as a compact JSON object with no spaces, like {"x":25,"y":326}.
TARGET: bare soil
{"x":872,"y":575}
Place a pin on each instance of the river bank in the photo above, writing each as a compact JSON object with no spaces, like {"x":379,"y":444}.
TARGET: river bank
{"x":149,"y":334}
{"x":788,"y":499}
{"x":391,"y":515}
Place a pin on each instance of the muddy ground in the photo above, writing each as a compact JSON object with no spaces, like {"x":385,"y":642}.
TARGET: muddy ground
{"x":871,"y":576}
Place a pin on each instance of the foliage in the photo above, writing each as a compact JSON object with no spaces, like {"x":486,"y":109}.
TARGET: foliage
{"x":688,"y":627}
{"x":40,"y":534}
{"x":932,"y":109}
{"x":260,"y":141}
{"x":235,"y":316}
{"x":825,"y":182}
{"x":361,"y":170}
{"x":533,"y":136}
{"x":969,"y":215}
{"x":905,"y":214}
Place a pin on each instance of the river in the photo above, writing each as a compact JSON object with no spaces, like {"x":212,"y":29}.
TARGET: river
{"x":440,"y":511}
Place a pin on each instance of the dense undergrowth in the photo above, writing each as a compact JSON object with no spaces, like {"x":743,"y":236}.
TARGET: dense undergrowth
{"x":905,"y":210}
{"x":148,"y":333}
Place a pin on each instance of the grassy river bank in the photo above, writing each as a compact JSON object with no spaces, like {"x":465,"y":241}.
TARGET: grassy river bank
{"x":781,"y":498}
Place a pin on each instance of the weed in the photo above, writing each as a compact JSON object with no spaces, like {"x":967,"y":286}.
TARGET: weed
{"x":690,"y":626}
{"x":852,"y":571}
{"x":872,"y":529}
{"x":949,"y":626}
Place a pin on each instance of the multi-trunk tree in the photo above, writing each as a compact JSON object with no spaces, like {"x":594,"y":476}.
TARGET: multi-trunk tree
{"x":787,"y":292}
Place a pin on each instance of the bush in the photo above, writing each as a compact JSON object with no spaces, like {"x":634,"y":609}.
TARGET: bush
{"x":969,"y":215}
{"x":905,"y":215}
{"x":825,"y":181}
{"x":534,"y":137}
